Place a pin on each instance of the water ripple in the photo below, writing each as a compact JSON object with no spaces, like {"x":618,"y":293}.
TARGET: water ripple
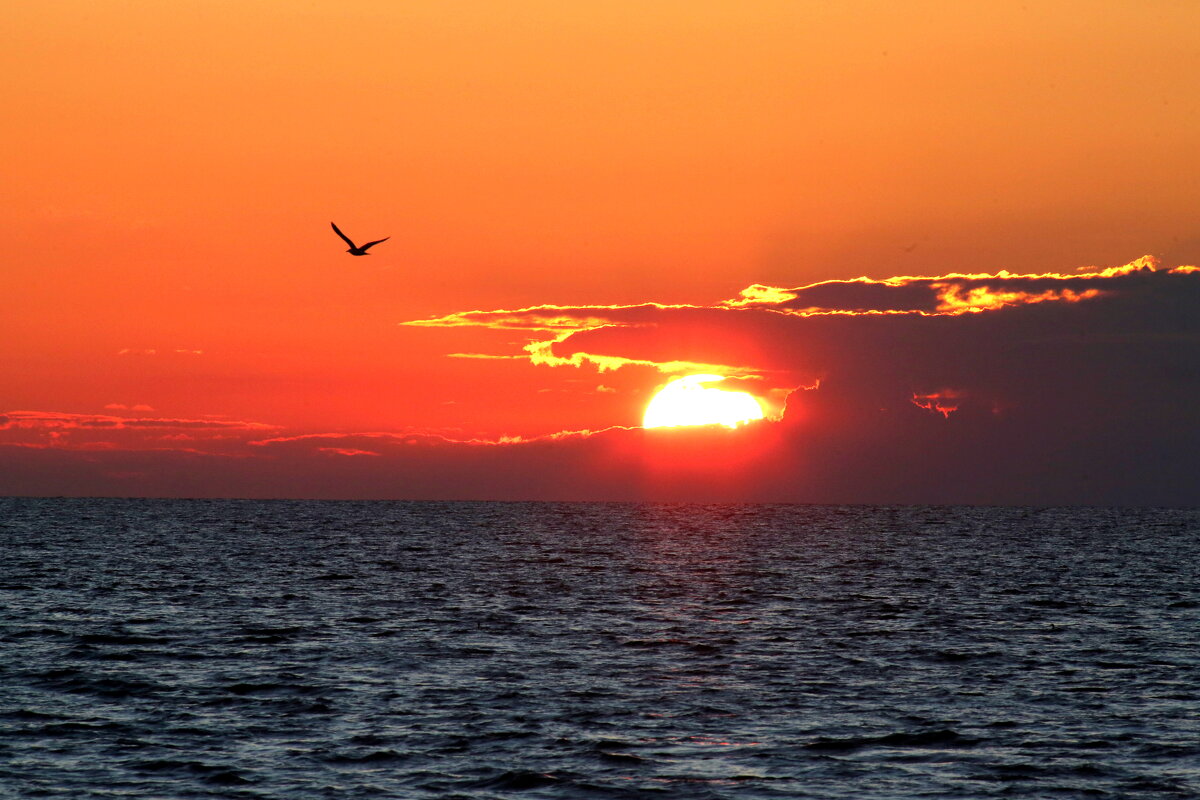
{"x":475,"y":650}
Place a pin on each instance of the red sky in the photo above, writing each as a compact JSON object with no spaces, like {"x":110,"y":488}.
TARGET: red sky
{"x":181,"y":320}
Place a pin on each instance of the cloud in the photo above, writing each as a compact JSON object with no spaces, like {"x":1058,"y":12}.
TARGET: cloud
{"x":51,"y":419}
{"x":82,"y":432}
{"x":576,"y":465}
{"x":1056,"y":388}
{"x":539,"y":318}
{"x":944,"y":402}
{"x":418,"y":438}
{"x":954,"y":293}
{"x":750,"y":324}
{"x":999,"y":374}
{"x":906,"y":456}
{"x":758,"y":332}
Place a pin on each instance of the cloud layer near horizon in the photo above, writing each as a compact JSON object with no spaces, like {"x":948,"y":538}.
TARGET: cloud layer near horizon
{"x":998,"y":340}
{"x":990,"y":388}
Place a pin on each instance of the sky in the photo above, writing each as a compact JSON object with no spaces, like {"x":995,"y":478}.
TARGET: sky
{"x":944,"y":245}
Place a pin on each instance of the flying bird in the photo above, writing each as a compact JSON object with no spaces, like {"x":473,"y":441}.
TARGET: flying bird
{"x":355,"y":250}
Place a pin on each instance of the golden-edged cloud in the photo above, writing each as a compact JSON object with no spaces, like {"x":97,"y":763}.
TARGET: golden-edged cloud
{"x":1071,"y":387}
{"x":748,"y":335}
{"x":1073,"y":380}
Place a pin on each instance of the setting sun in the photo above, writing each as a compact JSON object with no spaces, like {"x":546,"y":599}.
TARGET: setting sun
{"x":687,"y":401}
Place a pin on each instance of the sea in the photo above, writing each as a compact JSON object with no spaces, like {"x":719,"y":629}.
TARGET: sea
{"x":286,"y":649}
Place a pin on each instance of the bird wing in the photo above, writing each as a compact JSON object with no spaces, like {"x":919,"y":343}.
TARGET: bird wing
{"x":344,"y":236}
{"x":377,"y":241}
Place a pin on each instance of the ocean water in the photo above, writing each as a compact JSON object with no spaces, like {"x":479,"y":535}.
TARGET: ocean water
{"x":187,"y":649}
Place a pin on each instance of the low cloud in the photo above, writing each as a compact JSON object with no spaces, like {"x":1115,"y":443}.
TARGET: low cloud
{"x":91,"y":432}
{"x":33,"y":420}
{"x":346,"y":451}
{"x":742,"y":336}
{"x":954,"y":293}
{"x":944,"y":402}
{"x":1056,"y":388}
{"x":1095,"y":370}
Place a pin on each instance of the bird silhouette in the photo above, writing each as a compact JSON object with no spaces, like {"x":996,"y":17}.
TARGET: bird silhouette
{"x":355,"y":250}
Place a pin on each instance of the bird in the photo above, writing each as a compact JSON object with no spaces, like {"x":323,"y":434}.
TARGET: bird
{"x":355,"y":250}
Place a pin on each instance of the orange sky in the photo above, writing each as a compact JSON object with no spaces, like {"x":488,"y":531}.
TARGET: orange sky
{"x":172,"y":169}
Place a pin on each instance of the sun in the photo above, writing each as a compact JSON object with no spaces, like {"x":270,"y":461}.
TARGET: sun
{"x":687,"y":401}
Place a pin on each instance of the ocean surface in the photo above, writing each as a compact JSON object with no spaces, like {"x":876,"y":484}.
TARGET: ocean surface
{"x":187,"y":649}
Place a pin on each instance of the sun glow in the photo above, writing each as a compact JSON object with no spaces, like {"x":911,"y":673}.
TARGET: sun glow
{"x":687,"y":401}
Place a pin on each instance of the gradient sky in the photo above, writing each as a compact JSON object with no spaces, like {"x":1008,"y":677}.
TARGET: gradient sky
{"x":180,"y":320}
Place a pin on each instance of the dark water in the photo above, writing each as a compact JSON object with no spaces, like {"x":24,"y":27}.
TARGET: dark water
{"x":174,"y":649}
